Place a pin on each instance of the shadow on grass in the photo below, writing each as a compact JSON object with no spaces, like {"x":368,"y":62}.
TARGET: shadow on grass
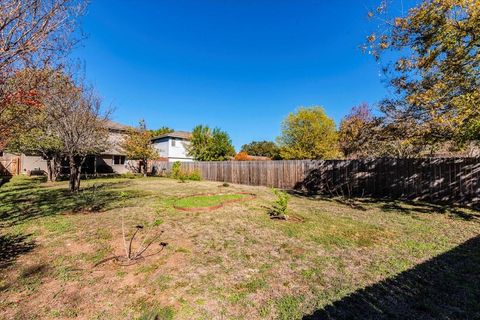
{"x":11,"y":246}
{"x":396,"y":205}
{"x":412,"y":207}
{"x":25,"y":199}
{"x":444,"y":287}
{"x":4,"y":179}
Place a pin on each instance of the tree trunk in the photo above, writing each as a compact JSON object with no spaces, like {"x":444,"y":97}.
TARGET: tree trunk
{"x":75,"y":164}
{"x":79,"y":172}
{"x":49,"y":170}
{"x":53,"y":167}
{"x":72,"y":183}
{"x":145,"y":167}
{"x":56,"y":167}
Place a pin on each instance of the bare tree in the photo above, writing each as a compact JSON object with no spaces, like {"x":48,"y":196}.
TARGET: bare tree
{"x":80,"y":124}
{"x":36,"y":31}
{"x":32,"y":33}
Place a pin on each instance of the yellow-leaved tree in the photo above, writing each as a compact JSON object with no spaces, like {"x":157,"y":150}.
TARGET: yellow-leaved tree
{"x":308,"y":133}
{"x":431,"y":55}
{"x":138,"y":146}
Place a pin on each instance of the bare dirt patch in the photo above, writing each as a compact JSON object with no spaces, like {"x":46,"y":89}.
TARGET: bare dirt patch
{"x":231,"y":263}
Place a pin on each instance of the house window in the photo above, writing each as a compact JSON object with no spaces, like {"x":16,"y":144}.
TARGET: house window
{"x":173,"y":142}
{"x":118,"y":159}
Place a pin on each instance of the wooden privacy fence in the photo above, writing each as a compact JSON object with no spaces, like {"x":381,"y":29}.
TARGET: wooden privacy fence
{"x":9,"y":167}
{"x":448,"y":180}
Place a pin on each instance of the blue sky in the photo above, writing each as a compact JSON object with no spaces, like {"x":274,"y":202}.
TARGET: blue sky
{"x":238,"y":65}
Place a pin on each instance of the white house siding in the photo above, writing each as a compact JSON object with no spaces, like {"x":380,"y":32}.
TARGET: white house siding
{"x":162,"y":147}
{"x":173,"y":151}
{"x":178,"y":152}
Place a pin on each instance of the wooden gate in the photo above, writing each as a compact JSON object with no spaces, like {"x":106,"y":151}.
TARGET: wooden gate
{"x":10,"y":167}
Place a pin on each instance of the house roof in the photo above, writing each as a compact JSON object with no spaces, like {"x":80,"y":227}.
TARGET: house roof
{"x":175,"y":134}
{"x":115,"y":141}
{"x":112,"y":125}
{"x":258,"y":158}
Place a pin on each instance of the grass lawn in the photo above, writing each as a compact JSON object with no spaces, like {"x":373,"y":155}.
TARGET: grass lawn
{"x":361,"y":259}
{"x":203,"y":201}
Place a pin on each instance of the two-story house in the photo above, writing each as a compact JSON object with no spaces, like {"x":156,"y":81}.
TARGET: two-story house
{"x":173,"y":146}
{"x":112,"y":160}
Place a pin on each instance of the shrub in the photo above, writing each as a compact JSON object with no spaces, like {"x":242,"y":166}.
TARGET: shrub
{"x":280,"y":206}
{"x":88,"y":199}
{"x":182,"y":177}
{"x":178,"y":174}
{"x":242,"y":156}
{"x":176,"y":170}
{"x":195,"y":176}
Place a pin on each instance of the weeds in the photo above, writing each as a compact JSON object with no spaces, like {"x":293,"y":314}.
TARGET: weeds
{"x":280,"y":206}
{"x":288,"y":307}
{"x":131,"y":175}
{"x":165,"y":313}
{"x":176,"y":170}
{"x":178,"y":174}
{"x":89,"y":199}
{"x":194,"y":176}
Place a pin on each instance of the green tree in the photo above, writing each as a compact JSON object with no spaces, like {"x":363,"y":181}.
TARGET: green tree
{"x":210,"y":145}
{"x":262,"y":149}
{"x":432,"y":58}
{"x":160,"y":131}
{"x":308,"y":133}
{"x":138,"y":146}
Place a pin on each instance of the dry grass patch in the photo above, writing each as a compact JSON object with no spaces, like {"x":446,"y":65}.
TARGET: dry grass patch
{"x":232,"y":263}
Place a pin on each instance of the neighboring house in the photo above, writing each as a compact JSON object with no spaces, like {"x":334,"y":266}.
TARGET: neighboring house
{"x":14,"y":164}
{"x":113,"y":160}
{"x":173,"y":146}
